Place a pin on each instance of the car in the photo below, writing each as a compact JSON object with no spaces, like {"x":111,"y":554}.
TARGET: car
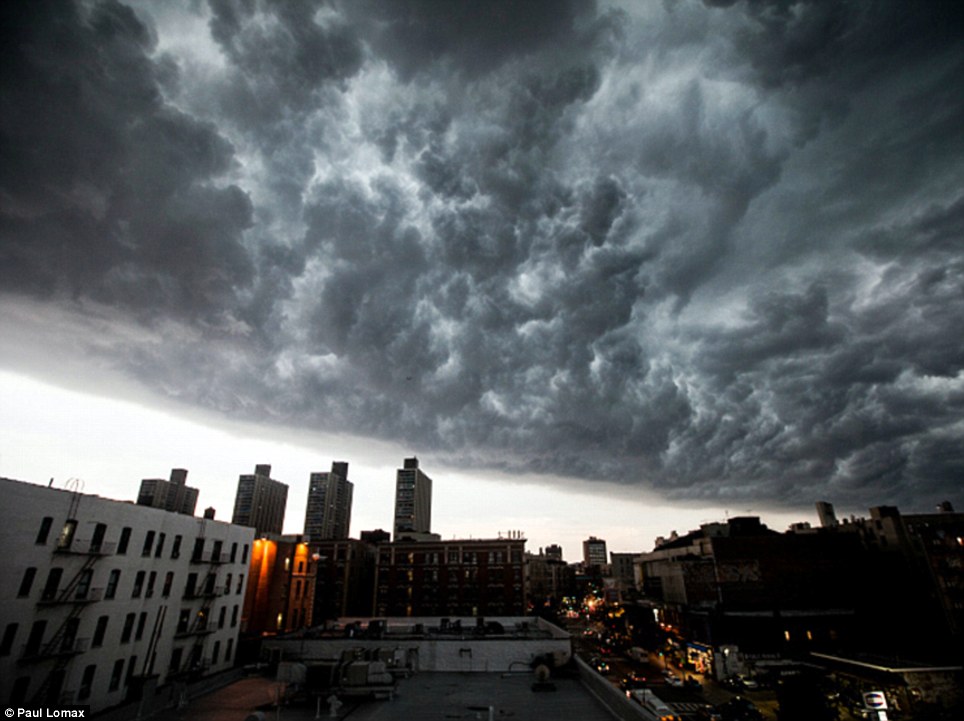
{"x":600,"y":665}
{"x":633,"y":680}
{"x":749,"y":683}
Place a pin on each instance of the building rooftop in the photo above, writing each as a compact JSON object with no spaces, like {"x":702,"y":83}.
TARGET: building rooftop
{"x":423,"y":697}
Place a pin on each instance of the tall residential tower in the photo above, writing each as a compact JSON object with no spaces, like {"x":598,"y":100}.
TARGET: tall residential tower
{"x":413,"y":502}
{"x":260,"y":501}
{"x":328,"y":512}
{"x":173,"y":495}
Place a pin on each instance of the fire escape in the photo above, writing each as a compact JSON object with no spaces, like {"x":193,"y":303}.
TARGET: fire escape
{"x":206,"y":589}
{"x":64,"y":645}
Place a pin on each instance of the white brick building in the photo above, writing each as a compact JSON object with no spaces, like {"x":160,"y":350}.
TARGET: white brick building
{"x":101,"y":597}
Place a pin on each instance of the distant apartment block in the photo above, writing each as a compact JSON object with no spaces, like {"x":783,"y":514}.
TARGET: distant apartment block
{"x":260,"y":501}
{"x":922,"y":556}
{"x":106,"y":599}
{"x":328,"y":511}
{"x":344,"y":580}
{"x":451,"y":578}
{"x":173,"y":495}
{"x":548,"y":577}
{"x":594,"y":552}
{"x":280,"y":596}
{"x":741,"y":583}
{"x":413,"y":502}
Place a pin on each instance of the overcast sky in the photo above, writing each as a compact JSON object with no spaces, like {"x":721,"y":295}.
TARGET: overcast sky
{"x":598,"y":260}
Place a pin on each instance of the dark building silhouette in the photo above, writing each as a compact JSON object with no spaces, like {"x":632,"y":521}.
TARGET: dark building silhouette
{"x":375,"y":537}
{"x":173,"y":495}
{"x":741,"y":583}
{"x":260,"y":501}
{"x":345,"y":579}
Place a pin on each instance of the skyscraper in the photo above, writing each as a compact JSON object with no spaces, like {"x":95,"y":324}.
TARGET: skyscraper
{"x":328,"y":511}
{"x":260,"y":501}
{"x":171,"y":495}
{"x":413,"y":501}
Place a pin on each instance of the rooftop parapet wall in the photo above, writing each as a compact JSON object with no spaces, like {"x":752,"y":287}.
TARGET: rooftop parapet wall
{"x":521,"y":641}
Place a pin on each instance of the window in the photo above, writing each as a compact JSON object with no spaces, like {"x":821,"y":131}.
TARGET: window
{"x":130,"y":670}
{"x":234,"y":617}
{"x":128,"y":628}
{"x":97,"y":540}
{"x":125,"y":539}
{"x":10,"y":633}
{"x":216,"y":552}
{"x":297,"y":589}
{"x":53,"y":583}
{"x":221,"y":615}
{"x":176,"y":547}
{"x":141,"y":622}
{"x":189,"y":588}
{"x":148,"y":544}
{"x":244,"y":553}
{"x":160,"y":545}
{"x":26,"y":583}
{"x":198,"y":553}
{"x":301,"y":566}
{"x":227,"y":585}
{"x":138,"y":584}
{"x":183,"y":619}
{"x":115,"y":675}
{"x":83,"y":583}
{"x":44,"y":531}
{"x":99,"y":631}
{"x":112,"y":582}
{"x":216,"y":653}
{"x":152,"y":577}
{"x":86,"y":681}
{"x":228,"y":649}
{"x":67,"y":535}
{"x":35,"y":638}
{"x":168,"y":582}
{"x":240,"y":582}
{"x":175,"y":665}
{"x":234,"y":552}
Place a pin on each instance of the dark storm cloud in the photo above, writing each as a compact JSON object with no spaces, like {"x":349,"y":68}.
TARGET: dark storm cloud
{"x":472,"y":37}
{"x":107,"y":192}
{"x":712,"y":249}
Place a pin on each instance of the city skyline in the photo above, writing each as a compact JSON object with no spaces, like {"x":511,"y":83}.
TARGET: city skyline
{"x":627,"y":524}
{"x":606,"y":269}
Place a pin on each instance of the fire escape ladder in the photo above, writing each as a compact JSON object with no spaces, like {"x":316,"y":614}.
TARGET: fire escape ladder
{"x":199,"y":627}
{"x":55,"y":646}
{"x":51,"y":647}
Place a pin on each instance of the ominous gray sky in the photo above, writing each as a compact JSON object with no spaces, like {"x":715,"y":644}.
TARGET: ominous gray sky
{"x":710,"y":250}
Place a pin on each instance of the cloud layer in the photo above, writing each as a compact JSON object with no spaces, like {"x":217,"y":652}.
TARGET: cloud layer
{"x":711,"y":249}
